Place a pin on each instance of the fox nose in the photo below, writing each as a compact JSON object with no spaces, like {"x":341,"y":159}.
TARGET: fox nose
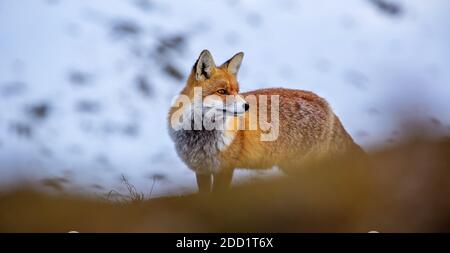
{"x":246,"y":106}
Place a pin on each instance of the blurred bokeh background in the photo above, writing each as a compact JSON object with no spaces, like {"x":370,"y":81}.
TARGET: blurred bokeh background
{"x":85,"y":86}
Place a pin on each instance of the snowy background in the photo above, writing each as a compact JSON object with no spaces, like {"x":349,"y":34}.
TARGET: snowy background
{"x":85,"y":86}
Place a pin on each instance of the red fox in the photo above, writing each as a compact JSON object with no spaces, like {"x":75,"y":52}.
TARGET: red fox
{"x":304,"y":126}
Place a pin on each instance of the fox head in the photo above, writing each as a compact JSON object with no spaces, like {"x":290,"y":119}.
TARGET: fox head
{"x":219,"y":85}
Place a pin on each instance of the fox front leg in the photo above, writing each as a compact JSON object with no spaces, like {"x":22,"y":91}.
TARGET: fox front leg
{"x":222,"y":180}
{"x":204,"y":182}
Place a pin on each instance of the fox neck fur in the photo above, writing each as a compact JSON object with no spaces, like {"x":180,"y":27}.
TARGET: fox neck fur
{"x":200,"y":149}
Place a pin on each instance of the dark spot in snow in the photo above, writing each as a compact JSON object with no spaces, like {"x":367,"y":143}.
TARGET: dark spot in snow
{"x":170,"y":44}
{"x":323,"y":65}
{"x":102,"y":159}
{"x":373,"y":111}
{"x":97,"y":187}
{"x":12,"y":88}
{"x":125,"y":28}
{"x":39,"y":111}
{"x":388,"y":7}
{"x":435,"y":121}
{"x":173,"y":72}
{"x":52,"y":2}
{"x":158,"y":177}
{"x":144,"y":5}
{"x":109,"y":127}
{"x":131,"y":130}
{"x":78,"y":77}
{"x":232,"y":3}
{"x":356,"y":78}
{"x":254,"y":19}
{"x":144,"y":87}
{"x":88,"y":106}
{"x":137,"y":51}
{"x":45,"y":151}
{"x":22,"y":129}
{"x":232,"y":38}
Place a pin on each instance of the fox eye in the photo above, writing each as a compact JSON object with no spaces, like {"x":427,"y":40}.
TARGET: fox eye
{"x":222,"y":91}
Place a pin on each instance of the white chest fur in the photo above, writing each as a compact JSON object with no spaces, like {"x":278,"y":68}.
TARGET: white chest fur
{"x":200,"y":149}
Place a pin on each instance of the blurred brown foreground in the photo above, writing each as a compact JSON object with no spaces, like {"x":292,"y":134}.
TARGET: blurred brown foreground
{"x":400,"y":189}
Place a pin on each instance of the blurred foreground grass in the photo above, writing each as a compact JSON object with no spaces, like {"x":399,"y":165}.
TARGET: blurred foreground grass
{"x":400,"y":189}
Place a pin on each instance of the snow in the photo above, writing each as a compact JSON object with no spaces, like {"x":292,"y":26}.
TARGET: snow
{"x":81,"y":60}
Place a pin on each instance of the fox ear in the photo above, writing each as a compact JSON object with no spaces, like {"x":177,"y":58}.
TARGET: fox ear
{"x":233,"y":64}
{"x":204,"y":65}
